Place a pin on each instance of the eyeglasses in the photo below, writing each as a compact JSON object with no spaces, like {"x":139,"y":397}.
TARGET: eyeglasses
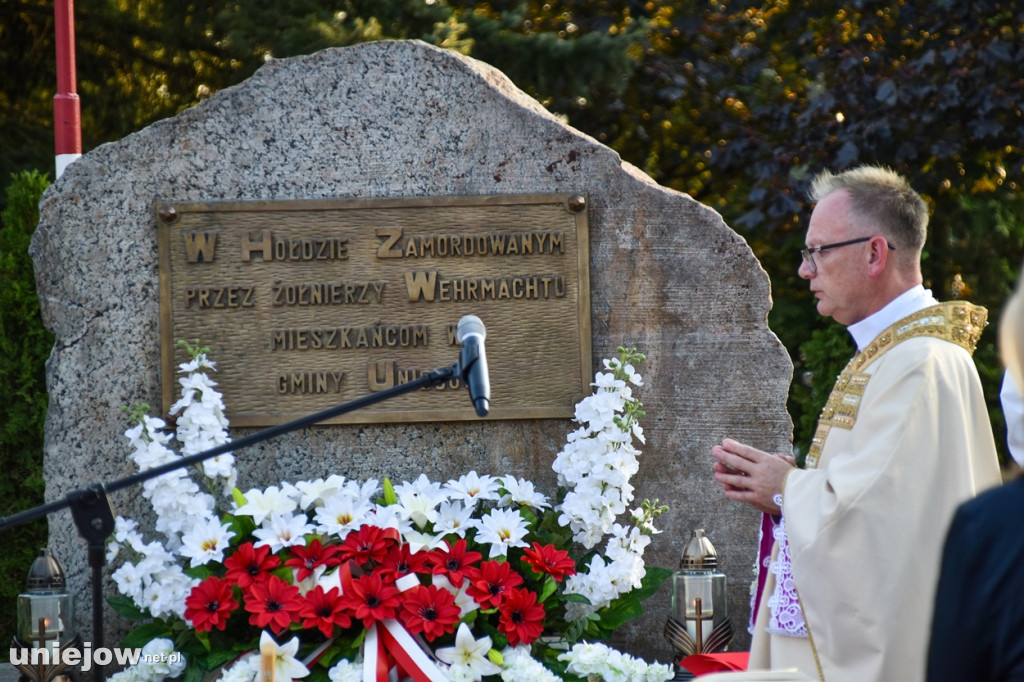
{"x":808,"y":253}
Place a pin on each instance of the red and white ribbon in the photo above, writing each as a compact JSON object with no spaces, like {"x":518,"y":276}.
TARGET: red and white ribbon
{"x":388,"y":642}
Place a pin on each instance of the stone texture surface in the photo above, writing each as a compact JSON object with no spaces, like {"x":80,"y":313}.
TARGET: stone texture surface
{"x":393,"y":119}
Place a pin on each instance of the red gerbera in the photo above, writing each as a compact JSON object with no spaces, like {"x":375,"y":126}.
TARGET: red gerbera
{"x":324,"y":610}
{"x":248,"y":563}
{"x":547,"y":559}
{"x":401,"y":560}
{"x":521,"y":617}
{"x":307,"y":559}
{"x":369,"y":543}
{"x":210,"y":603}
{"x":371,"y":599}
{"x":273,"y":602}
{"x":455,"y":562}
{"x":489,"y":582}
{"x":429,"y":610}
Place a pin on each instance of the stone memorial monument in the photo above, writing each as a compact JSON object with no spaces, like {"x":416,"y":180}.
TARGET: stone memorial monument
{"x":402,"y":147}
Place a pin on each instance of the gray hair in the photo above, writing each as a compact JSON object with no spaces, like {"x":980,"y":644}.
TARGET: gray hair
{"x":882,"y":200}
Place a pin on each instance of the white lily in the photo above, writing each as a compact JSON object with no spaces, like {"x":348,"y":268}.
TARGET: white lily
{"x":286,"y":665}
{"x":469,"y":654}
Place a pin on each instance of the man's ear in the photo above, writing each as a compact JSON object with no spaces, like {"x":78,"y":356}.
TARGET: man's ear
{"x":878,"y":255}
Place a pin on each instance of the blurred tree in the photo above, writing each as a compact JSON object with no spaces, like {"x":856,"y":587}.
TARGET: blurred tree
{"x":739,"y":103}
{"x":736,"y":102}
{"x":24,"y":346}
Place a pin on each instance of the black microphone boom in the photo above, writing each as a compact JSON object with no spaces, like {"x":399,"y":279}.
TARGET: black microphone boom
{"x":470,"y":334}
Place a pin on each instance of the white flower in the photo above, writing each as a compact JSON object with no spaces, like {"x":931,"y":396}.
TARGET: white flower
{"x":128,"y":579}
{"x":472,"y":488}
{"x":160,"y":652}
{"x":418,"y":500}
{"x":287,"y":666}
{"x":246,"y":669}
{"x":389,"y":516}
{"x":341,"y":514}
{"x":502,"y":528}
{"x":206,"y":541}
{"x":419,"y":541}
{"x":259,"y":504}
{"x":222,"y":466}
{"x":469,"y":654}
{"x":521,"y":491}
{"x":319,"y":491}
{"x":346,"y":671}
{"x":599,"y":661}
{"x":454,"y":517}
{"x":283,"y":531}
{"x":158,"y":599}
{"x":521,"y":667}
{"x":465,"y":602}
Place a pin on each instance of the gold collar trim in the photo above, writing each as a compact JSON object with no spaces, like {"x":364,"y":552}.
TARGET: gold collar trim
{"x":958,"y":322}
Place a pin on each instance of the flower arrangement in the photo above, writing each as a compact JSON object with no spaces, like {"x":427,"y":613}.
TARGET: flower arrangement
{"x":478,"y":578}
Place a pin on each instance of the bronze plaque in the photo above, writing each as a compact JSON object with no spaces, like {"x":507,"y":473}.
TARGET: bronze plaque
{"x":309,"y":304}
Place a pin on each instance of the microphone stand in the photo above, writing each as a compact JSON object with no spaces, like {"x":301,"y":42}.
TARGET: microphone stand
{"x":94,"y":518}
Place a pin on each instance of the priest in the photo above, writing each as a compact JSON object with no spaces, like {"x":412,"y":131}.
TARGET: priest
{"x":855,"y":536}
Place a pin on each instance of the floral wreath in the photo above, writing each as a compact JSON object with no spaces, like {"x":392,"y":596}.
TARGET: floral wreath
{"x":479,"y":578}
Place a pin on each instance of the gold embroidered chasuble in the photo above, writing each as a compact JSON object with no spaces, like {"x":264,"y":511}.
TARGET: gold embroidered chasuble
{"x":903,"y":439}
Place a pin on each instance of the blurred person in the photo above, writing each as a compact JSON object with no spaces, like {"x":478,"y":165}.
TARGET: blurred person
{"x":904,"y":438}
{"x":1013,"y":409}
{"x":978,"y":629}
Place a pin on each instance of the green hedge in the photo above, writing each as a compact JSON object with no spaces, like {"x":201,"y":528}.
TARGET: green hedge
{"x":24,"y":347}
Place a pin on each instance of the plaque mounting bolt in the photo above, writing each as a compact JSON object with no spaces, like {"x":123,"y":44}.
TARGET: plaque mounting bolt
{"x":576,"y":203}
{"x":168,"y":214}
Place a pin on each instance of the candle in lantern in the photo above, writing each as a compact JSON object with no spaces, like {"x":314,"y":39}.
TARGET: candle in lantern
{"x":698,"y":614}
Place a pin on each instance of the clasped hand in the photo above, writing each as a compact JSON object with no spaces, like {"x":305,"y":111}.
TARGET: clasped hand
{"x":751,"y":475}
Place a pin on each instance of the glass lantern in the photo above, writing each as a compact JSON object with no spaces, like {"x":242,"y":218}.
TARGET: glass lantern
{"x":699,"y":603}
{"x":45,"y":608}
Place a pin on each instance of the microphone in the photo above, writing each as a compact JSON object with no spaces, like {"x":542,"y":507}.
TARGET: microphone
{"x":470,"y":334}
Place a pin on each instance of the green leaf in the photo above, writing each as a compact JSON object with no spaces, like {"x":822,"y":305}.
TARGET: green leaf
{"x":219,"y":658}
{"x":143,"y":634}
{"x":238,"y":497}
{"x":193,"y":674}
{"x":127,"y":608}
{"x":389,"y":492}
{"x":549,"y":588}
{"x":655,"y":576}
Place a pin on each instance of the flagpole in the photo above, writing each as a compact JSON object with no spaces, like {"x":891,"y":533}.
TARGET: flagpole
{"x":67,"y":116}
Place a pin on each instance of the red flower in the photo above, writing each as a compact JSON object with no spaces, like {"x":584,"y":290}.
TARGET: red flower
{"x":521,"y":617}
{"x":455,"y":562}
{"x":307,"y":559}
{"x":369,"y":543}
{"x":324,"y":610}
{"x":488,"y":584}
{"x":402,"y":561}
{"x":429,"y":610}
{"x":547,"y":559}
{"x":248,"y":563}
{"x":371,"y":599}
{"x":210,"y":603}
{"x":273,"y":602}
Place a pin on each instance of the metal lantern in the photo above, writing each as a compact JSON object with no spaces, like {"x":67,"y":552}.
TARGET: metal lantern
{"x":45,"y":618}
{"x":45,"y":608}
{"x":699,"y":620}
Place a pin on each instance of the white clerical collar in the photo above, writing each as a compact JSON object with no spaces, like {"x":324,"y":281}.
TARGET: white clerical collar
{"x":907,"y":303}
